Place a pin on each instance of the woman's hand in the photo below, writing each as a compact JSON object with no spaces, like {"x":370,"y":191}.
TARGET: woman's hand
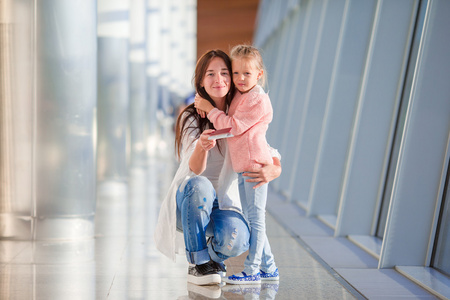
{"x":203,"y":106}
{"x":199,"y":158}
{"x":265,"y":174}
{"x":204,"y":142}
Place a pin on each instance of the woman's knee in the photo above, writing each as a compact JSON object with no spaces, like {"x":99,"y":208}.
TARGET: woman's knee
{"x":199,"y":181}
{"x":201,"y":185}
{"x":232,"y":242}
{"x":199,"y":190}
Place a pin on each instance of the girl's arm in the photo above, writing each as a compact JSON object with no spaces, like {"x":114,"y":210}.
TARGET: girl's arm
{"x":248,"y":113}
{"x":199,"y":158}
{"x":203,"y":105}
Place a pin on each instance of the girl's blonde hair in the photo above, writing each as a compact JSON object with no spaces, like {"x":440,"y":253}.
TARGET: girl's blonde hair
{"x":252,"y":54}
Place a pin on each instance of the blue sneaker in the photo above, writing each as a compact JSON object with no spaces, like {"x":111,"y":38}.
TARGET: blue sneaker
{"x":243,"y":278}
{"x":274,"y":276}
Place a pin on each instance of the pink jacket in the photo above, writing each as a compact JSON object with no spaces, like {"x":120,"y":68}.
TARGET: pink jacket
{"x":249,"y":116}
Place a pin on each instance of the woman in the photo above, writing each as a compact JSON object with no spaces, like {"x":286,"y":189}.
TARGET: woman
{"x":203,"y":199}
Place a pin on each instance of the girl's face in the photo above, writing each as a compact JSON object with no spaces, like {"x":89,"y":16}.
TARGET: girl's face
{"x":217,"y":80}
{"x":245,"y":75}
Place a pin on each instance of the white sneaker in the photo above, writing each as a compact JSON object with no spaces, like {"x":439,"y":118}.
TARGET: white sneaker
{"x":220,"y":268}
{"x":204,"y":274}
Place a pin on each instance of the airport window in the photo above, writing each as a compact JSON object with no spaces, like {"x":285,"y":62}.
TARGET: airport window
{"x":401,"y":121}
{"x":441,"y":258}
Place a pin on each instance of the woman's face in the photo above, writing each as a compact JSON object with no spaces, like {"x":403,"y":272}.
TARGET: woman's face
{"x":217,"y":79}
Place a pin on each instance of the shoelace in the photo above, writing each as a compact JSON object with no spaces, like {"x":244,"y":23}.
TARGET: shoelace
{"x":206,"y":268}
{"x":218,"y":266}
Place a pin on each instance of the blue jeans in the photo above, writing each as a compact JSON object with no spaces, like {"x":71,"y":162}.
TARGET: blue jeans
{"x":254,"y":206}
{"x":199,"y":217}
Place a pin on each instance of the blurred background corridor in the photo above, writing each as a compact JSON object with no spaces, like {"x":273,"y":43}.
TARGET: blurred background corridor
{"x":90,"y":91}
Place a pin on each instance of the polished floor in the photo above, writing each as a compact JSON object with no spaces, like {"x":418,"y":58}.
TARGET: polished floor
{"x":121,"y":262}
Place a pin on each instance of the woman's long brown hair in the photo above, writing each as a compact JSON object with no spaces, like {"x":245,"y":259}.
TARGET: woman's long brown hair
{"x":182,"y":125}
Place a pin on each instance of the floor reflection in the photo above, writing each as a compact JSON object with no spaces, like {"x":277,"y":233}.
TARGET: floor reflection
{"x":266,"y":291}
{"x":121,"y":261}
{"x":48,"y":270}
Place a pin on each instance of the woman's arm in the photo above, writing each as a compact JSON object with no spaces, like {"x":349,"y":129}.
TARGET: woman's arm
{"x":265,"y":174}
{"x":199,"y":158}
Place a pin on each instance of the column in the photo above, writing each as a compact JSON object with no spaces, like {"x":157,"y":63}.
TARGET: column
{"x":113,"y":95}
{"x":63,"y":156}
{"x":138,"y":84}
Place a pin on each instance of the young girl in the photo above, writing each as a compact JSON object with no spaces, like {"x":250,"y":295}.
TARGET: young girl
{"x":249,"y":115}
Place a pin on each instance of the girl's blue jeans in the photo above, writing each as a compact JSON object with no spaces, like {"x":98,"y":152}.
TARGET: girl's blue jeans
{"x":199,"y":217}
{"x":254,"y":207}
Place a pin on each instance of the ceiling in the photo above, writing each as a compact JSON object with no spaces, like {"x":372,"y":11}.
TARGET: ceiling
{"x":221,"y":24}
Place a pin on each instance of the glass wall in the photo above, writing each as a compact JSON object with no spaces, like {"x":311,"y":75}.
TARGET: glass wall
{"x":441,"y":259}
{"x":361,"y":118}
{"x":401,"y":119}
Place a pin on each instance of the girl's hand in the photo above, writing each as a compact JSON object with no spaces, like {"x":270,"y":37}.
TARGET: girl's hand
{"x":201,"y":113}
{"x":204,"y":142}
{"x":265,"y":174}
{"x":203,"y":105}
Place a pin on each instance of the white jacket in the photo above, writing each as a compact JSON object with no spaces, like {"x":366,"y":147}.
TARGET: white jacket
{"x":170,"y":241}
